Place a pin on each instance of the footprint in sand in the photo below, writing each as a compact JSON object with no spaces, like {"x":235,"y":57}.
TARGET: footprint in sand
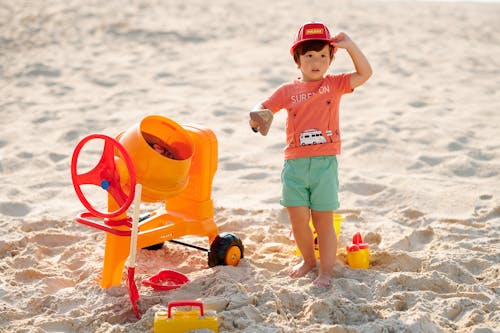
{"x":233,"y":166}
{"x":365,"y":189}
{"x":417,"y":104}
{"x":372,"y":238}
{"x":228,"y":130}
{"x":488,"y":213}
{"x":255,"y":176}
{"x":43,"y":119}
{"x":451,"y":268}
{"x":54,"y":240}
{"x":103,"y":83}
{"x":486,"y":197}
{"x":71,"y":136}
{"x":56,"y":157}
{"x":15,"y":209}
{"x":395,"y":261}
{"x":431,"y":160}
{"x":416,"y":241}
{"x":39,"y":69}
{"x":480,"y":155}
{"x":163,"y":76}
{"x":412,"y":214}
{"x":458,"y":143}
{"x":59,"y":89}
{"x":54,"y":284}
{"x":454,"y":146}
{"x":272,"y":200}
{"x":24,"y":155}
{"x":219,"y":113}
{"x":30,"y":275}
{"x":463,"y":166}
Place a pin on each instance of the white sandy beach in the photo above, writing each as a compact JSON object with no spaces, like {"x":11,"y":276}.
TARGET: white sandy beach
{"x":419,"y":169}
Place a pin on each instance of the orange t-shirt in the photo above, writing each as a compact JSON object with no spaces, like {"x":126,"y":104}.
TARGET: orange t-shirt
{"x":312,"y":125}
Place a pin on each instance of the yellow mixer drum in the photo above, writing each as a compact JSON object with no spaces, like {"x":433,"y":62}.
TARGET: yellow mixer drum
{"x":162,"y":151}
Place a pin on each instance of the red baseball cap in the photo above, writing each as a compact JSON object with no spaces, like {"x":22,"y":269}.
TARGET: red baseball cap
{"x":311,"y":31}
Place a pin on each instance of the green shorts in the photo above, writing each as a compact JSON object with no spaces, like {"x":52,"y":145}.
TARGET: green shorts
{"x":311,"y":182}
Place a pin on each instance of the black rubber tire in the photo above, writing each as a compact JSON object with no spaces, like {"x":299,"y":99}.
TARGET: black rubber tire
{"x":219,"y":247}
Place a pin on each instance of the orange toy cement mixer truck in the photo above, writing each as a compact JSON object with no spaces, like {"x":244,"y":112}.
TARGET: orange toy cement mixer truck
{"x":175,"y":164}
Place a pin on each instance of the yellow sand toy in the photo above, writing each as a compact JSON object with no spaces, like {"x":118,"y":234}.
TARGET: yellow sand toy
{"x":183,"y":321}
{"x":358,"y":253}
{"x":337,"y":221}
{"x":175,"y":164}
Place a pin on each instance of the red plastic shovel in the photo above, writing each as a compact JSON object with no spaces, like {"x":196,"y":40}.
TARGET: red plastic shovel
{"x":132,"y":288}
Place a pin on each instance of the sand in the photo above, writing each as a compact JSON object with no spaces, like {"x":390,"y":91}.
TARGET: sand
{"x":419,"y":171}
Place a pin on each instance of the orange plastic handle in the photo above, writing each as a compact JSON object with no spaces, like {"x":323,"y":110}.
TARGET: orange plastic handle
{"x":185,"y":303}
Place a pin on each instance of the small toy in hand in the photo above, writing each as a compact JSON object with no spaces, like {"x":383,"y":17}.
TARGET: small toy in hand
{"x":260,"y":121}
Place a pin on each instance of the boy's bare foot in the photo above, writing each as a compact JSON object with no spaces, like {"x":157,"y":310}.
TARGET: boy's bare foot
{"x":301,"y":269}
{"x":323,"y":280}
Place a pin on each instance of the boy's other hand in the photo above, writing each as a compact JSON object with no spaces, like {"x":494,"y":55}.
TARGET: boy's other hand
{"x":260,"y":121}
{"x":341,"y":40}
{"x":254,"y":125}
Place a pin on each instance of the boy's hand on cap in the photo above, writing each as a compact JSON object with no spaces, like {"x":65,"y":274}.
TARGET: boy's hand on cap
{"x":341,"y":40}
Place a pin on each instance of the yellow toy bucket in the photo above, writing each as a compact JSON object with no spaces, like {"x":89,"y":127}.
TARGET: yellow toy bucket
{"x":337,"y":221}
{"x":184,"y":321}
{"x":358,"y":253}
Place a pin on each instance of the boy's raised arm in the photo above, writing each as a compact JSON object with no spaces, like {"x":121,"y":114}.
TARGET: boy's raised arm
{"x":361,"y":64}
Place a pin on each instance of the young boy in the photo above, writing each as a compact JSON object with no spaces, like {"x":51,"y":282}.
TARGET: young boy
{"x":310,"y":172}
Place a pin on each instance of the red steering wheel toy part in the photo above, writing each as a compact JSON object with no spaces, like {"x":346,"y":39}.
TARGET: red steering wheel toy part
{"x":106,"y":175}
